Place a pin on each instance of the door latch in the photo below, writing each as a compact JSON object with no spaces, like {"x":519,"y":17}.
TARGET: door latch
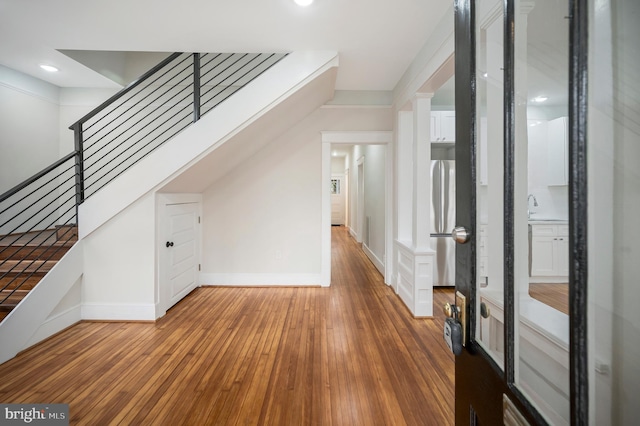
{"x":455,"y":324}
{"x":453,"y":335}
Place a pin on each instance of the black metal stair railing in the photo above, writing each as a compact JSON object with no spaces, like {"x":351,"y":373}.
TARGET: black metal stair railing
{"x":38,"y":217}
{"x":37,"y":225}
{"x":154,"y":108}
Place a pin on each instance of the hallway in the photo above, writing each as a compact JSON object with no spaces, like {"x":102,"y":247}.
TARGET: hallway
{"x":345,"y":355}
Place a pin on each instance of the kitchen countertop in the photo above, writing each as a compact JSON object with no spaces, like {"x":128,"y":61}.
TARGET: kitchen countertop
{"x":546,"y":221}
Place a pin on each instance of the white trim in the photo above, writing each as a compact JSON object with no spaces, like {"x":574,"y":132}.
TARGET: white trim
{"x":56,"y":323}
{"x":374,"y":259}
{"x":32,"y":94}
{"x":325,"y":220}
{"x":365,"y":137}
{"x":163,"y":200}
{"x":30,"y":86}
{"x":231,"y":279}
{"x":119,"y":312}
{"x":352,"y":106}
{"x":358,"y":137}
{"x":353,"y":233}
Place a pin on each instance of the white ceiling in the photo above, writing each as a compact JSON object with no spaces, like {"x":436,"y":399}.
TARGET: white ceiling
{"x":376,"y":39}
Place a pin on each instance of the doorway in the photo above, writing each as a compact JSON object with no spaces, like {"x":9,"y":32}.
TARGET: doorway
{"x":357,"y":205}
{"x":179,"y":228}
{"x":338,"y":200}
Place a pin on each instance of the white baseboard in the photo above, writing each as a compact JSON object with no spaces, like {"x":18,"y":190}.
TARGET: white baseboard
{"x":119,"y":312}
{"x":56,"y":323}
{"x":374,"y":259}
{"x":260,"y":279}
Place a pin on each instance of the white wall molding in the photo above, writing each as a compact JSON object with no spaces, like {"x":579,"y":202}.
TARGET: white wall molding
{"x":251,"y":280}
{"x":415,"y":279}
{"x":27,"y":85}
{"x":357,"y":137}
{"x":379,"y":264}
{"x":427,"y":63}
{"x":119,"y":312}
{"x":56,"y":323}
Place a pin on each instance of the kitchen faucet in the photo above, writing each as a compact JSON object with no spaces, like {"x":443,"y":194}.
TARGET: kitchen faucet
{"x":535,"y":204}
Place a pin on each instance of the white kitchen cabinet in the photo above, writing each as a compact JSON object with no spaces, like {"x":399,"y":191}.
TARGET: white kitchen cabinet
{"x":562,"y":247}
{"x":443,"y":126}
{"x":549,"y":253}
{"x":558,"y":152}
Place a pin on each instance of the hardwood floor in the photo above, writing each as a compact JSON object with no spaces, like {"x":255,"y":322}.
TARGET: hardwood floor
{"x":554,"y":295}
{"x":350,"y":354}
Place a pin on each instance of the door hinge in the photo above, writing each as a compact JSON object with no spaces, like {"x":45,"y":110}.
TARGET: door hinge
{"x":199,"y":267}
{"x":198,"y":219}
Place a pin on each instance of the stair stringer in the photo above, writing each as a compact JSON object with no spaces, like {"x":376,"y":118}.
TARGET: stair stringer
{"x":23,"y":326}
{"x":218,"y":126}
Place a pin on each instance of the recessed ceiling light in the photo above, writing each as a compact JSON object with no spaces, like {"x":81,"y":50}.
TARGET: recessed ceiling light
{"x":49,"y":68}
{"x":303,"y":2}
{"x":540,"y":99}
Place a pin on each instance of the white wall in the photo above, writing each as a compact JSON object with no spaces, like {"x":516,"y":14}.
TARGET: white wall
{"x":338,"y":165}
{"x":34,"y":121}
{"x":24,"y":100}
{"x":74,"y":104}
{"x":374,"y":198}
{"x":28,"y":126}
{"x":260,"y":217}
{"x":119,"y":268}
{"x":262,"y":221}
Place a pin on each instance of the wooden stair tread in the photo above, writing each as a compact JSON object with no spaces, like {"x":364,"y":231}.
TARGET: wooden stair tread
{"x":69,"y":243}
{"x":23,"y":253}
{"x":22,"y":266}
{"x":26,"y":258}
{"x":10,"y":299}
{"x":7,"y":307}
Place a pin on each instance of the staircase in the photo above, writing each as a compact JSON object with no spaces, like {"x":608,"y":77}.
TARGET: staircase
{"x":25,"y":258}
{"x":45,"y":283}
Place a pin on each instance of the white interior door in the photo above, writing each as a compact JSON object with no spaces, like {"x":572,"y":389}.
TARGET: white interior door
{"x":338,"y":200}
{"x":182,"y":252}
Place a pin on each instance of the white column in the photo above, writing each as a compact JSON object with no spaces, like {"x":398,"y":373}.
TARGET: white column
{"x":404,"y":180}
{"x":421,"y":170}
{"x":413,"y":254}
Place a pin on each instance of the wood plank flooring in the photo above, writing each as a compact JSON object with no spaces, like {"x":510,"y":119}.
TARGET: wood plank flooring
{"x":555,"y":295}
{"x":350,"y":354}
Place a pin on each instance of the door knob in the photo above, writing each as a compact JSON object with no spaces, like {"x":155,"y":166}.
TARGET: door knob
{"x":484,"y":310}
{"x":169,"y":244}
{"x":461,"y":235}
{"x":450,"y":310}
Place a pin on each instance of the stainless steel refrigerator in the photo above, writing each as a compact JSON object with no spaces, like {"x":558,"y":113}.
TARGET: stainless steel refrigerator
{"x":443,"y":216}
